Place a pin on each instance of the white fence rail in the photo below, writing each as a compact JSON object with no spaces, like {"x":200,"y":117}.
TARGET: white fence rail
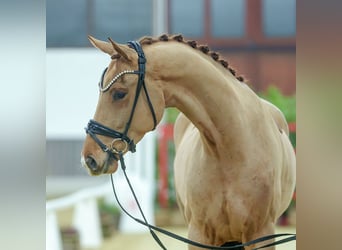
{"x":141,"y":171}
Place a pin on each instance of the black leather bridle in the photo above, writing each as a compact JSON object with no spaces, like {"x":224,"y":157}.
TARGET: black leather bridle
{"x":95,"y":128}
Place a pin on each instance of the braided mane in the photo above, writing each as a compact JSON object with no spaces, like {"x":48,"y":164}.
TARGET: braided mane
{"x":203,"y":48}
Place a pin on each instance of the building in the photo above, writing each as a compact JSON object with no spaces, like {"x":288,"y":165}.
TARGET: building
{"x":257,"y":37}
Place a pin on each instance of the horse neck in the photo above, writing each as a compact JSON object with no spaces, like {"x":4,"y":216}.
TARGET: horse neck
{"x":204,"y":91}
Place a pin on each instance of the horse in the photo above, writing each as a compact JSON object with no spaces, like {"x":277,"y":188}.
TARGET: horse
{"x":234,"y":166}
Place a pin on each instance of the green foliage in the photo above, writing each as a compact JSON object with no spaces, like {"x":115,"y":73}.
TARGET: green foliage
{"x":293,"y":139}
{"x":109,"y":208}
{"x":287,"y":104}
{"x":171,"y":115}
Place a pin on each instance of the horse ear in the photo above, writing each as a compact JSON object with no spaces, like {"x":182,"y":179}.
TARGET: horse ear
{"x":101,"y":45}
{"x":122,"y":50}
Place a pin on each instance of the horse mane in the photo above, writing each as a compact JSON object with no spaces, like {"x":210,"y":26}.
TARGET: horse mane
{"x":147,"y":40}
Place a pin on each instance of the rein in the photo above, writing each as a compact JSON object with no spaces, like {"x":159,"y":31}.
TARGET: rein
{"x":144,"y":222}
{"x":95,"y":128}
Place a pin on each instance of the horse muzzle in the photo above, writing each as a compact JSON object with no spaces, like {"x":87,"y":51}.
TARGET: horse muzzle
{"x":95,"y":167}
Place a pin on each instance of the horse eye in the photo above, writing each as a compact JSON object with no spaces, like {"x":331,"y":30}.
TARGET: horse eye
{"x":118,"y":95}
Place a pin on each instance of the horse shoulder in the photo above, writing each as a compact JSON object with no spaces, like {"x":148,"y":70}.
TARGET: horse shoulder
{"x":286,"y":170}
{"x":277,"y":115}
{"x":288,"y":173}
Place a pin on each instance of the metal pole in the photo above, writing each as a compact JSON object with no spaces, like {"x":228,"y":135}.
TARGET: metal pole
{"x":159,"y":17}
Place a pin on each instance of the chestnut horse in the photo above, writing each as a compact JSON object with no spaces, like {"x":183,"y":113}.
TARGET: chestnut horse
{"x":234,"y":166}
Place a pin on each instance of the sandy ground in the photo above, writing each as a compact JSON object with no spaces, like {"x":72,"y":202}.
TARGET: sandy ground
{"x":145,"y":241}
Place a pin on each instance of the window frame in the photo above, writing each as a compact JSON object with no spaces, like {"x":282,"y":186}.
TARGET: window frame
{"x":254,"y":36}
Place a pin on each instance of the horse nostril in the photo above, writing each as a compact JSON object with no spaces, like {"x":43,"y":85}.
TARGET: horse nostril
{"x":91,"y":163}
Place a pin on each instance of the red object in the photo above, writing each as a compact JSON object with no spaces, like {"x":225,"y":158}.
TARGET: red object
{"x":292,"y":127}
{"x":165,"y":135}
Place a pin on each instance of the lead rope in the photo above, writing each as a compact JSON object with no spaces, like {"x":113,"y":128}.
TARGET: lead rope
{"x":180,"y":238}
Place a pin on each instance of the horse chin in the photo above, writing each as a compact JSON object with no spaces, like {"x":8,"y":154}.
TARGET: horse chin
{"x":109,"y":166}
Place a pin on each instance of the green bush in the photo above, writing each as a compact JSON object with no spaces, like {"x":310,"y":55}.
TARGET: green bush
{"x":171,"y":115}
{"x":287,"y":104}
{"x":109,"y":208}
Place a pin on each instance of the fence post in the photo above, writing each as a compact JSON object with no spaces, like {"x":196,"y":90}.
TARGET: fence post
{"x":53,"y":234}
{"x":86,"y":220}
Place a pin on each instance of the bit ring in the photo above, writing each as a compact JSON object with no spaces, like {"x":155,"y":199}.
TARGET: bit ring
{"x":117,"y":151}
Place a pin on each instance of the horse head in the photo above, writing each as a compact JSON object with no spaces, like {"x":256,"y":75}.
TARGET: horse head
{"x":130,"y":104}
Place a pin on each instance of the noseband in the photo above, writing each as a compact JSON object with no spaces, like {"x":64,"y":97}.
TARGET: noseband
{"x":95,"y":128}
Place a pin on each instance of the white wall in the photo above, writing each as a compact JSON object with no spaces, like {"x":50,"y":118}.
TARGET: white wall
{"x":72,"y":77}
{"x":71,"y":97}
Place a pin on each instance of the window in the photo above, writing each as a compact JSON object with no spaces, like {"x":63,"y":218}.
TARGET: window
{"x":279,"y":18}
{"x":123,"y":21}
{"x":187,"y":17}
{"x":235,"y":23}
{"x":66,"y":23}
{"x":228,"y":18}
{"x":69,"y":22}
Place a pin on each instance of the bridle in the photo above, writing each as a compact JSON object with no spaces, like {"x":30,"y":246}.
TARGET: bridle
{"x":95,"y":128}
